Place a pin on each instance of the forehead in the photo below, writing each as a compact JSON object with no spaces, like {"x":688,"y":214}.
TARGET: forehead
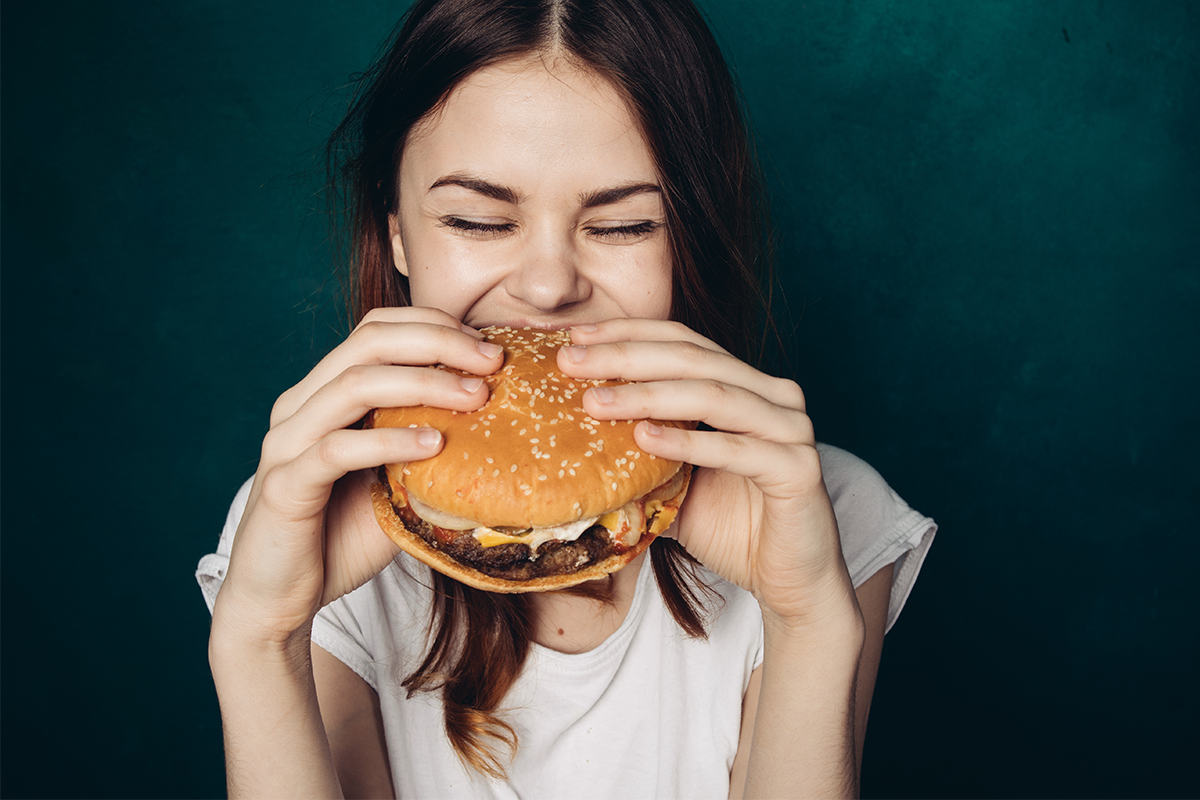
{"x":536,"y":116}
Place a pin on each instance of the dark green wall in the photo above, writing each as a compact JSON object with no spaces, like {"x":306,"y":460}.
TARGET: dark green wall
{"x":992,"y":260}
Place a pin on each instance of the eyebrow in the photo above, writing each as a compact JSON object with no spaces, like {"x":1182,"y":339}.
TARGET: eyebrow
{"x":603,"y":197}
{"x":505,"y":194}
{"x":485,"y":188}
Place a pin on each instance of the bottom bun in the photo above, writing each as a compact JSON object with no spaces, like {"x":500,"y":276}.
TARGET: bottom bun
{"x":416,"y":546}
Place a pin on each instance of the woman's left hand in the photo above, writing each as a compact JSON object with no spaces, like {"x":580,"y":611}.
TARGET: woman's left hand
{"x":757,"y":512}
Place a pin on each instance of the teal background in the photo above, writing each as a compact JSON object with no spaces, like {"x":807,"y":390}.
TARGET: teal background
{"x":992,"y":262}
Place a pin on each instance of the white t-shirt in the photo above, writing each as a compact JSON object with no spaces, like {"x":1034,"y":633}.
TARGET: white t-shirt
{"x":649,"y":713}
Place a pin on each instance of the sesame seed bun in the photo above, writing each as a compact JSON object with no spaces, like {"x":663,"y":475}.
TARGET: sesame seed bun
{"x":531,"y":457}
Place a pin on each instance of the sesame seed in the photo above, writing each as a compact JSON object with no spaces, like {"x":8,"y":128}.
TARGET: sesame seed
{"x":614,"y":486}
{"x":473,"y":427}
{"x":486,"y":434}
{"x":588,"y":453}
{"x":541,"y":477}
{"x":561,"y":473}
{"x":465,"y":456}
{"x":480,"y":471}
{"x":522,"y":431}
{"x":496,"y":474}
{"x":571,"y":471}
{"x":534,"y":441}
{"x":513,"y":468}
{"x":489,"y":459}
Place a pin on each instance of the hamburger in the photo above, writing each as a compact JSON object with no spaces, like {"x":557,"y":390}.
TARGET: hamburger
{"x":529,"y":493}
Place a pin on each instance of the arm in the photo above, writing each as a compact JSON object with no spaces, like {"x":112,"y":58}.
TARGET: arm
{"x":351,"y":716}
{"x":758,"y":514}
{"x":308,"y":537}
{"x":781,"y":741}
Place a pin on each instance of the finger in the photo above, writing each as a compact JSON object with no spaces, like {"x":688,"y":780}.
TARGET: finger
{"x":671,"y":361}
{"x":629,"y":329}
{"x":779,"y":470}
{"x":385,"y":339}
{"x":344,"y":400}
{"x":300,"y":488}
{"x":720,"y":405}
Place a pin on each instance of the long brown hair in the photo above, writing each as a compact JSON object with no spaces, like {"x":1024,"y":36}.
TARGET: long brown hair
{"x":664,"y":60}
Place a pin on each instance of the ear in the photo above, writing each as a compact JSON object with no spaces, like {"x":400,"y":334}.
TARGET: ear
{"x":398,"y":257}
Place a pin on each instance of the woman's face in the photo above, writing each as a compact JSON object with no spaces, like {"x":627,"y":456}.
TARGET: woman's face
{"x":531,"y":198}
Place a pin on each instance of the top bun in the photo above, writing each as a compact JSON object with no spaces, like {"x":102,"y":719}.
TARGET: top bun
{"x":531,"y":456}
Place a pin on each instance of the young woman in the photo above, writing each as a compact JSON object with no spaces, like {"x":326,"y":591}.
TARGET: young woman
{"x":579,"y":165}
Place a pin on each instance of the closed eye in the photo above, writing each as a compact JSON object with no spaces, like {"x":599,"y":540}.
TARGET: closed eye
{"x":634,"y":231}
{"x":475,"y":228}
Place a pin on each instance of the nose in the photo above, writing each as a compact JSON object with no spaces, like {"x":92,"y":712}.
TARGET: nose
{"x":548,"y":276}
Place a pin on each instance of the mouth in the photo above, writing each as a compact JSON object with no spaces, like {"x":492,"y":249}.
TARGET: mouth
{"x":557,"y":325}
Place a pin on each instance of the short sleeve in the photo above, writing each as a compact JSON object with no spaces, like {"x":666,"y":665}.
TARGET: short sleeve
{"x":210,"y":572}
{"x":336,"y":629}
{"x":877,"y":527}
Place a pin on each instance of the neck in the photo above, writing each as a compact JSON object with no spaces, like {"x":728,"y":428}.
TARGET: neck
{"x":572,"y":623}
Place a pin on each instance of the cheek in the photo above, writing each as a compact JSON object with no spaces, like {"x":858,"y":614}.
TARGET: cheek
{"x":448,"y":275}
{"x":643,"y":286}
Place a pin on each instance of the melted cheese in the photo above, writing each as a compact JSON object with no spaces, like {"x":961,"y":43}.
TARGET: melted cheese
{"x":534,"y":537}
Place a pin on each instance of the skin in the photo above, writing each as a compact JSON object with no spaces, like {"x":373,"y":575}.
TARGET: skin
{"x":530,"y":199}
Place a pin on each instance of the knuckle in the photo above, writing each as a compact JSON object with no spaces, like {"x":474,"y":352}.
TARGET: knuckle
{"x":692,"y":353}
{"x":354,"y":380}
{"x":283,"y":407}
{"x":678,"y":330}
{"x":330,"y":451}
{"x":274,"y":486}
{"x":808,"y":466}
{"x":804,"y":428}
{"x":272,"y":449}
{"x":791,"y":393}
{"x":716,"y":392}
{"x":370,"y":331}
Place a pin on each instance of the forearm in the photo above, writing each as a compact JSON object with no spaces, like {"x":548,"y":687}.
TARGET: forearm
{"x":275,"y":741}
{"x":803,"y":743}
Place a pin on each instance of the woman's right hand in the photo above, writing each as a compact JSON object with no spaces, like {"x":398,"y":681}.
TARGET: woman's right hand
{"x":301,"y":543}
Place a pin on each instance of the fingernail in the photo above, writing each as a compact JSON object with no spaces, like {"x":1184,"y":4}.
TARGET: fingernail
{"x":651,"y":428}
{"x":490,"y":350}
{"x":429,"y":437}
{"x":575,"y":353}
{"x":602,"y":394}
{"x":586,"y":327}
{"x":469,"y":330}
{"x":471,"y":384}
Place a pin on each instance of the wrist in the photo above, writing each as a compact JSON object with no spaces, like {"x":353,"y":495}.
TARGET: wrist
{"x":237,"y":640}
{"x":836,"y":624}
